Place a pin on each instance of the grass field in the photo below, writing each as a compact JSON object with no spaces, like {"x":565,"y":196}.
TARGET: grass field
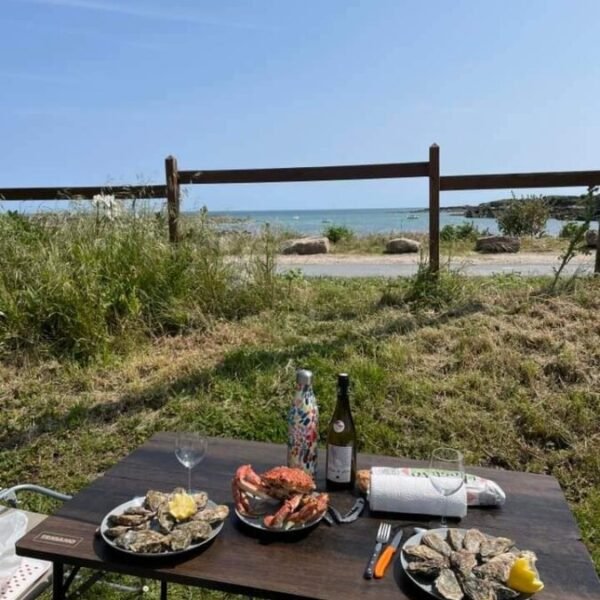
{"x":107,"y":336}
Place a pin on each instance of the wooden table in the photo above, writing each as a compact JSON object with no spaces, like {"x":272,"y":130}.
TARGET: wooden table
{"x":327,"y":562}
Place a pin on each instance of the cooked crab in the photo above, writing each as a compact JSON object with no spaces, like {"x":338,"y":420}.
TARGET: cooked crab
{"x":292,"y":486}
{"x":279,"y":483}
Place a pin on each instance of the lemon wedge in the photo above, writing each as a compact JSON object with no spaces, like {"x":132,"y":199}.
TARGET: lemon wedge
{"x":523,"y":577}
{"x":182,"y":507}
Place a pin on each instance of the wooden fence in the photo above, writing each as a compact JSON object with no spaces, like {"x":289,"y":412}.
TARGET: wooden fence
{"x":430,"y":169}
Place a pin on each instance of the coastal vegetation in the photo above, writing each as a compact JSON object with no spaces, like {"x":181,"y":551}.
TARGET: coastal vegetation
{"x":524,"y":216}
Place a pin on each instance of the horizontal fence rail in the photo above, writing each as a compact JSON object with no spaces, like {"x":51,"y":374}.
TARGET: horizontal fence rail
{"x":452,"y":183}
{"x":84,"y":193}
{"x":333,"y":173}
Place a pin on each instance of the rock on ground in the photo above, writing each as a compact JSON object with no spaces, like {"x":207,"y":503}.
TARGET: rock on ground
{"x":402,"y":246}
{"x":306,"y":246}
{"x":498,"y":243}
{"x":591,"y":238}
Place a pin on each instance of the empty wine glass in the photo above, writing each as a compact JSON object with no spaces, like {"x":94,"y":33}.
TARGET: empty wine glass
{"x":447,"y":474}
{"x":190,"y":449}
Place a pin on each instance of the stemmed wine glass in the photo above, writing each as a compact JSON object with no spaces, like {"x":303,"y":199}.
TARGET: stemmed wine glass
{"x":190,"y":449}
{"x":447,"y":474}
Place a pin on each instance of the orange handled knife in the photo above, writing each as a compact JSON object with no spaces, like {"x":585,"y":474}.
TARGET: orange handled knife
{"x":386,"y":556}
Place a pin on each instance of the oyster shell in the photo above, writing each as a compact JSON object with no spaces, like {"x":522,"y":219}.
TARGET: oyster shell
{"x":139,"y":511}
{"x":455,"y":538}
{"x":493,"y":546}
{"x":201,"y":499}
{"x":503,"y":592}
{"x":198,"y":530}
{"x":180,"y":539}
{"x":115,"y":532}
{"x":447,"y":585}
{"x":463,"y":562}
{"x":166,"y":521}
{"x":497,"y":568}
{"x":146,"y":541}
{"x":473,"y":540}
{"x":212,"y":515}
{"x":126,"y":520}
{"x":435,"y":541}
{"x":422,"y":552}
{"x":428,"y":568}
{"x":478,"y":589}
{"x":154,"y":499}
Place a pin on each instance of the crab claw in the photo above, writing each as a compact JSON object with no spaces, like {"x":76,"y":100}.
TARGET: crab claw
{"x":312,"y":508}
{"x":277,"y":520}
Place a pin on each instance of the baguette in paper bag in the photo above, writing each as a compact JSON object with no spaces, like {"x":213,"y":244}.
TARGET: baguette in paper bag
{"x":480,"y":491}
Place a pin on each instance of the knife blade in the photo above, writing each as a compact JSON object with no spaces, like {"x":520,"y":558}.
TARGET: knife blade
{"x":386,"y":556}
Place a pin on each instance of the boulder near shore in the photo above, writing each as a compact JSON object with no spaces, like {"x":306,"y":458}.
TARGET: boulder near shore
{"x":498,"y":243}
{"x":315,"y":245}
{"x":591,"y":238}
{"x":402,"y":246}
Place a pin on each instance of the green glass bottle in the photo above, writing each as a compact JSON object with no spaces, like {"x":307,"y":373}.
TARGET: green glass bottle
{"x":341,"y":440}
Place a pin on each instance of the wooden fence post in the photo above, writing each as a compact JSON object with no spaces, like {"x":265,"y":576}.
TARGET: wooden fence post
{"x":597,"y":265}
{"x":172,"y":198}
{"x":434,"y":208}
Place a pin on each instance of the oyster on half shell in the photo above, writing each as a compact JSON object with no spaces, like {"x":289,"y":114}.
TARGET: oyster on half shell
{"x":146,"y":541}
{"x":473,"y":540}
{"x":435,"y":541}
{"x":212,"y":515}
{"x":447,"y":585}
{"x":423,"y":552}
{"x":463,"y":562}
{"x":428,"y":568}
{"x":494,"y":546}
{"x":455,"y":538}
{"x":497,"y":568}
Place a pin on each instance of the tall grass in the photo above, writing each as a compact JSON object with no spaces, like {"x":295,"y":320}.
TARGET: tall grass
{"x":81,"y":285}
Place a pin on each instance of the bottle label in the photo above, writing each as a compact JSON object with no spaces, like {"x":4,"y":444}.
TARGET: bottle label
{"x":338,"y":426}
{"x":339,"y":463}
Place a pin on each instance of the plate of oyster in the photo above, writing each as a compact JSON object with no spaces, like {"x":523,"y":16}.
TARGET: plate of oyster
{"x":466,"y":564}
{"x":282,"y":499}
{"x":162,"y":523}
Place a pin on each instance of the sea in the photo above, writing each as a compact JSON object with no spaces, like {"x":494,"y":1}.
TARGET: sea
{"x":360,"y":220}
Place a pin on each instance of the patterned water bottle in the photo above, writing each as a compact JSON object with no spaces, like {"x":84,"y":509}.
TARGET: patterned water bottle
{"x":303,"y":425}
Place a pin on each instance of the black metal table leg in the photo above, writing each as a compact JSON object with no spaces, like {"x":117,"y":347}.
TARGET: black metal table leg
{"x":163,"y":590}
{"x":58,"y":591}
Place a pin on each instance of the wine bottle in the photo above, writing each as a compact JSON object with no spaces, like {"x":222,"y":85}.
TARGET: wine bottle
{"x":341,"y":440}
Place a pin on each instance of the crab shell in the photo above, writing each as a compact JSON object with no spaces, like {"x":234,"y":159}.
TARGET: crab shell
{"x":285,"y":481}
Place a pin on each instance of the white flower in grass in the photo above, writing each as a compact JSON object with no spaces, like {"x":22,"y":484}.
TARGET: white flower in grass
{"x":108,"y":203}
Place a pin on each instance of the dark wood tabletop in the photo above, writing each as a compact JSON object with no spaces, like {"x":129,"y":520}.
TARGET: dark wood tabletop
{"x":323,"y":562}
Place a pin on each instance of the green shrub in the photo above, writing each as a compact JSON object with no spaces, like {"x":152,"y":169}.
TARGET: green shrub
{"x":525,"y":216}
{"x":568,"y":230}
{"x":77,"y":286}
{"x":337,"y":233}
{"x":462,"y":231}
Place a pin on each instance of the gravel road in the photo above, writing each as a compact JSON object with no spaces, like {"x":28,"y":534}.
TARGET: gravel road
{"x":348,"y":265}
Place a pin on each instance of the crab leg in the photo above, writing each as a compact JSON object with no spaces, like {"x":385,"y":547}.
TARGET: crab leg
{"x":289,"y":506}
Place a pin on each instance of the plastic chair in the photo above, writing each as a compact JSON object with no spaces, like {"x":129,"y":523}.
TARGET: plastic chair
{"x":33,"y":576}
{"x":17,"y":588}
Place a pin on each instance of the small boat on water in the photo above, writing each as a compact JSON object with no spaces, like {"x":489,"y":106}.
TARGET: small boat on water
{"x":412,"y":217}
{"x":326,"y":221}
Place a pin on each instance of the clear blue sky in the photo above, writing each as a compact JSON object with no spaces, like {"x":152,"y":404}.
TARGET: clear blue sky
{"x":98,"y":91}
